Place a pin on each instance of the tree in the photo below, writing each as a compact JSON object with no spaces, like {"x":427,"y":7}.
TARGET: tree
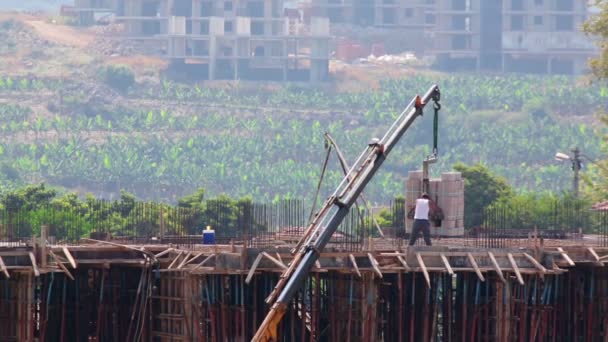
{"x":481,"y":188}
{"x":597,"y":26}
{"x":119,"y":77}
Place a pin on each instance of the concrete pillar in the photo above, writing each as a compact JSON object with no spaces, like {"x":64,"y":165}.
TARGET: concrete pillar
{"x":212,"y":57}
{"x":196,"y":12}
{"x":165,"y":8}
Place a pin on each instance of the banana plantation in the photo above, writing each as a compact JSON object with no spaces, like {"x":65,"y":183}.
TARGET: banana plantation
{"x":161,"y":141}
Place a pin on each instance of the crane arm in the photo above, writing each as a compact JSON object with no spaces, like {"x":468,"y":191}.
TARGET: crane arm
{"x":332,"y":213}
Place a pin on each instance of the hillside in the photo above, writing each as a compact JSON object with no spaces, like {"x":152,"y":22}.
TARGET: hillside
{"x":63,"y":125}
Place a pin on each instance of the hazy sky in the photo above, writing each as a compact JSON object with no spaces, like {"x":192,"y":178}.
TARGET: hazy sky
{"x":29,"y":5}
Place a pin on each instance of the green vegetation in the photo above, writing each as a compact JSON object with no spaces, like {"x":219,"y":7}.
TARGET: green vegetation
{"x":23,"y":211}
{"x":119,"y":77}
{"x":482,"y":188}
{"x":264,"y":144}
{"x":597,"y":179}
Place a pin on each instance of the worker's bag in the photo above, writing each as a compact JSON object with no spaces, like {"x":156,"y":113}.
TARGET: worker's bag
{"x":436,"y":216}
{"x":411,"y":213}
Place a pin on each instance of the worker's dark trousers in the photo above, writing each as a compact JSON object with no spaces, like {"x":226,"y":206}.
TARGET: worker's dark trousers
{"x":425,"y":227}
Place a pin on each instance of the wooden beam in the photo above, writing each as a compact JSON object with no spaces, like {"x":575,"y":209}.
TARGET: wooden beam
{"x":535,"y":263}
{"x":446,"y":263}
{"x":515,"y":268}
{"x":186,"y":258}
{"x":274,"y":260}
{"x":374,"y":264}
{"x":204,"y":261}
{"x":424,"y":270}
{"x":151,"y":255}
{"x":60,"y":264}
{"x":281,"y":259}
{"x":255,"y":264}
{"x":354,"y":262}
{"x":68,"y":255}
{"x":404,"y":263}
{"x":175,"y":260}
{"x":597,"y":258}
{"x":475,"y":266}
{"x":3,"y":269}
{"x":195,"y":257}
{"x":33,"y":259}
{"x":496,"y":267}
{"x":565,"y":256}
{"x":165,"y":252}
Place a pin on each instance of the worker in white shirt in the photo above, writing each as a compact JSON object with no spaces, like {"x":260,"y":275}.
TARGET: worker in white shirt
{"x":421,"y":219}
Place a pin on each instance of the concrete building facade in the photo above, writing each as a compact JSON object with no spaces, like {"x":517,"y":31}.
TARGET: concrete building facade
{"x":532,"y":36}
{"x":541,"y":36}
{"x":232,"y":39}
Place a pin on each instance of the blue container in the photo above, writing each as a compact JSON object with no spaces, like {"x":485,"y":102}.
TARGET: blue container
{"x":208,"y":237}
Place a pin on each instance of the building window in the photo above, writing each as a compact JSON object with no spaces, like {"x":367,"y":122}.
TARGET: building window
{"x":538,"y":2}
{"x":517,"y":5}
{"x":517,"y":23}
{"x":276,"y":51}
{"x":564,"y":5}
{"x":459,"y":43}
{"x":538,"y":20}
{"x":255,"y":9}
{"x":409,"y":12}
{"x":204,"y":28}
{"x":564,"y":23}
{"x":257,"y":28}
{"x":228,"y":6}
{"x":206,"y":9}
{"x":430,"y":19}
{"x":388,"y":16}
{"x":228,"y":26}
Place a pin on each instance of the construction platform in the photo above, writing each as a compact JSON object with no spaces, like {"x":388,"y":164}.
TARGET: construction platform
{"x":532,"y":290}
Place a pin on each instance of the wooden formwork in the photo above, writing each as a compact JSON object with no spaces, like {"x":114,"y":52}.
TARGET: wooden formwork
{"x":112,"y":292}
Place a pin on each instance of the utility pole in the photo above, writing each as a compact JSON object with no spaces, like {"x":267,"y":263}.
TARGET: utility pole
{"x":576,"y":167}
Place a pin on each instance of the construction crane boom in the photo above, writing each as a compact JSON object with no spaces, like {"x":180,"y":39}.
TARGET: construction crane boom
{"x":332,"y":213}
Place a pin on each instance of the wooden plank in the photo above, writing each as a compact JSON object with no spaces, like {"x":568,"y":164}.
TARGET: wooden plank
{"x":33,"y":259}
{"x":60,"y":264}
{"x":475,"y":266}
{"x":404,"y":263}
{"x":425,"y":272}
{"x":203,"y":262}
{"x":274,"y":260}
{"x":374,"y":264}
{"x":255,"y":264}
{"x":565,"y":256}
{"x":515,"y":268}
{"x":354,"y":262}
{"x":71,"y":259}
{"x":175,"y":260}
{"x":597,"y":258}
{"x":185,"y":261}
{"x":279,"y":257}
{"x":4,"y":269}
{"x":165,"y":252}
{"x":496,"y":267}
{"x":446,"y":263}
{"x":195,"y":257}
{"x":535,"y":263}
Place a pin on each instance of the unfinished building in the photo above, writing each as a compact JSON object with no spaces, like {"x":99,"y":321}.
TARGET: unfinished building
{"x":538,"y":36}
{"x":400,"y":24}
{"x":235,"y":39}
{"x":378,"y":13}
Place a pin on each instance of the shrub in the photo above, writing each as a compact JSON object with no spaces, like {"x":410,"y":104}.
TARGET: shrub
{"x":119,"y":77}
